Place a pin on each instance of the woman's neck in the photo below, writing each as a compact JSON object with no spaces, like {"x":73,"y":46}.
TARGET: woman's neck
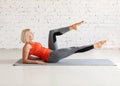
{"x":31,"y":42}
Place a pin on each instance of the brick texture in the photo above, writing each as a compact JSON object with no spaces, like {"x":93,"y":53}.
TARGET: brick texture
{"x":102,"y":21}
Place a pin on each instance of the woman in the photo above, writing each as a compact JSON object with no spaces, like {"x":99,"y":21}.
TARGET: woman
{"x":35,"y":53}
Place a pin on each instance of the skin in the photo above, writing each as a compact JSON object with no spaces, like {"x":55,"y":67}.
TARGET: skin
{"x":31,"y":59}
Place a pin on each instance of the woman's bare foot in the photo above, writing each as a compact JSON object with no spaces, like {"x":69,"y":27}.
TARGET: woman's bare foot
{"x":99,"y":44}
{"x":74,"y":26}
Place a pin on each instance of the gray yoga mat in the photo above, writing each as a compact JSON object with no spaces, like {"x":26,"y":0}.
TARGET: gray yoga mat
{"x":73,"y":62}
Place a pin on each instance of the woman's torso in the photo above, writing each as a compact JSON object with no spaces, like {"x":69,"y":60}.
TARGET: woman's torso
{"x":38,"y":50}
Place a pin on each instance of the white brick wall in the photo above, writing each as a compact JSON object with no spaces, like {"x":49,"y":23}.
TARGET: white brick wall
{"x":102,"y":19}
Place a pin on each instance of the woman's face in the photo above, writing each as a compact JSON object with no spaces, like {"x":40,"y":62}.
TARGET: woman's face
{"x":31,"y":36}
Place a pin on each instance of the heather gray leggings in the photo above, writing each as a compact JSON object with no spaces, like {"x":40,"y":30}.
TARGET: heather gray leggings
{"x":58,"y":54}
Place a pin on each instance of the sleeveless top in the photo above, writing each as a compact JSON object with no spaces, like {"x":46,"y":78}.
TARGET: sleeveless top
{"x":40,"y":51}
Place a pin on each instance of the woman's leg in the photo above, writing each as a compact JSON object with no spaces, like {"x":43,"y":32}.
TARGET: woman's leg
{"x":65,"y":52}
{"x":52,"y":41}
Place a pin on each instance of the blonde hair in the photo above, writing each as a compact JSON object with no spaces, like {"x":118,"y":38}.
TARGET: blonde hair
{"x":25,"y":35}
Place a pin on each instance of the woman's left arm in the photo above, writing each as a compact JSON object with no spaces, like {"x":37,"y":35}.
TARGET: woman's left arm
{"x":33,"y":57}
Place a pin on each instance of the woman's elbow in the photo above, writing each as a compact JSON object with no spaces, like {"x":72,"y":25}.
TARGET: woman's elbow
{"x":24,"y":61}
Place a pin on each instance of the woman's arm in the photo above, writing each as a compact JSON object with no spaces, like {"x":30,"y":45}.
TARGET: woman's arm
{"x":26,"y":50}
{"x":33,"y":57}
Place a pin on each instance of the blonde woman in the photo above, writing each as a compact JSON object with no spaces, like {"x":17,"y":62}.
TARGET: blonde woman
{"x":35,"y":53}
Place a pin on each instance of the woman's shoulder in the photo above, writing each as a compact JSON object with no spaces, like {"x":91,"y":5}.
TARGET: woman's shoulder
{"x":33,"y":43}
{"x":27,"y":45}
{"x":37,"y":42}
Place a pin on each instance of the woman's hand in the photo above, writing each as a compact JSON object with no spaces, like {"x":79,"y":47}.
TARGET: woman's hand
{"x":40,"y":62}
{"x":74,"y":26}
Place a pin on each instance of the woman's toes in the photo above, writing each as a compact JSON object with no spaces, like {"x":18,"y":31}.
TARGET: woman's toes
{"x":103,"y":42}
{"x":99,"y":44}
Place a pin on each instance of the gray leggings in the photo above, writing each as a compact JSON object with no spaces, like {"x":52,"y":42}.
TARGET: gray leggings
{"x":58,"y":54}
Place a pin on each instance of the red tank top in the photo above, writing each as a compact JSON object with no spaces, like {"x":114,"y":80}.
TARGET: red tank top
{"x":40,"y":51}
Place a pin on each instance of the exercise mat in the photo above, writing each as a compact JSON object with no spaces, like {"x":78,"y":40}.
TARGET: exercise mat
{"x":72,"y":62}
